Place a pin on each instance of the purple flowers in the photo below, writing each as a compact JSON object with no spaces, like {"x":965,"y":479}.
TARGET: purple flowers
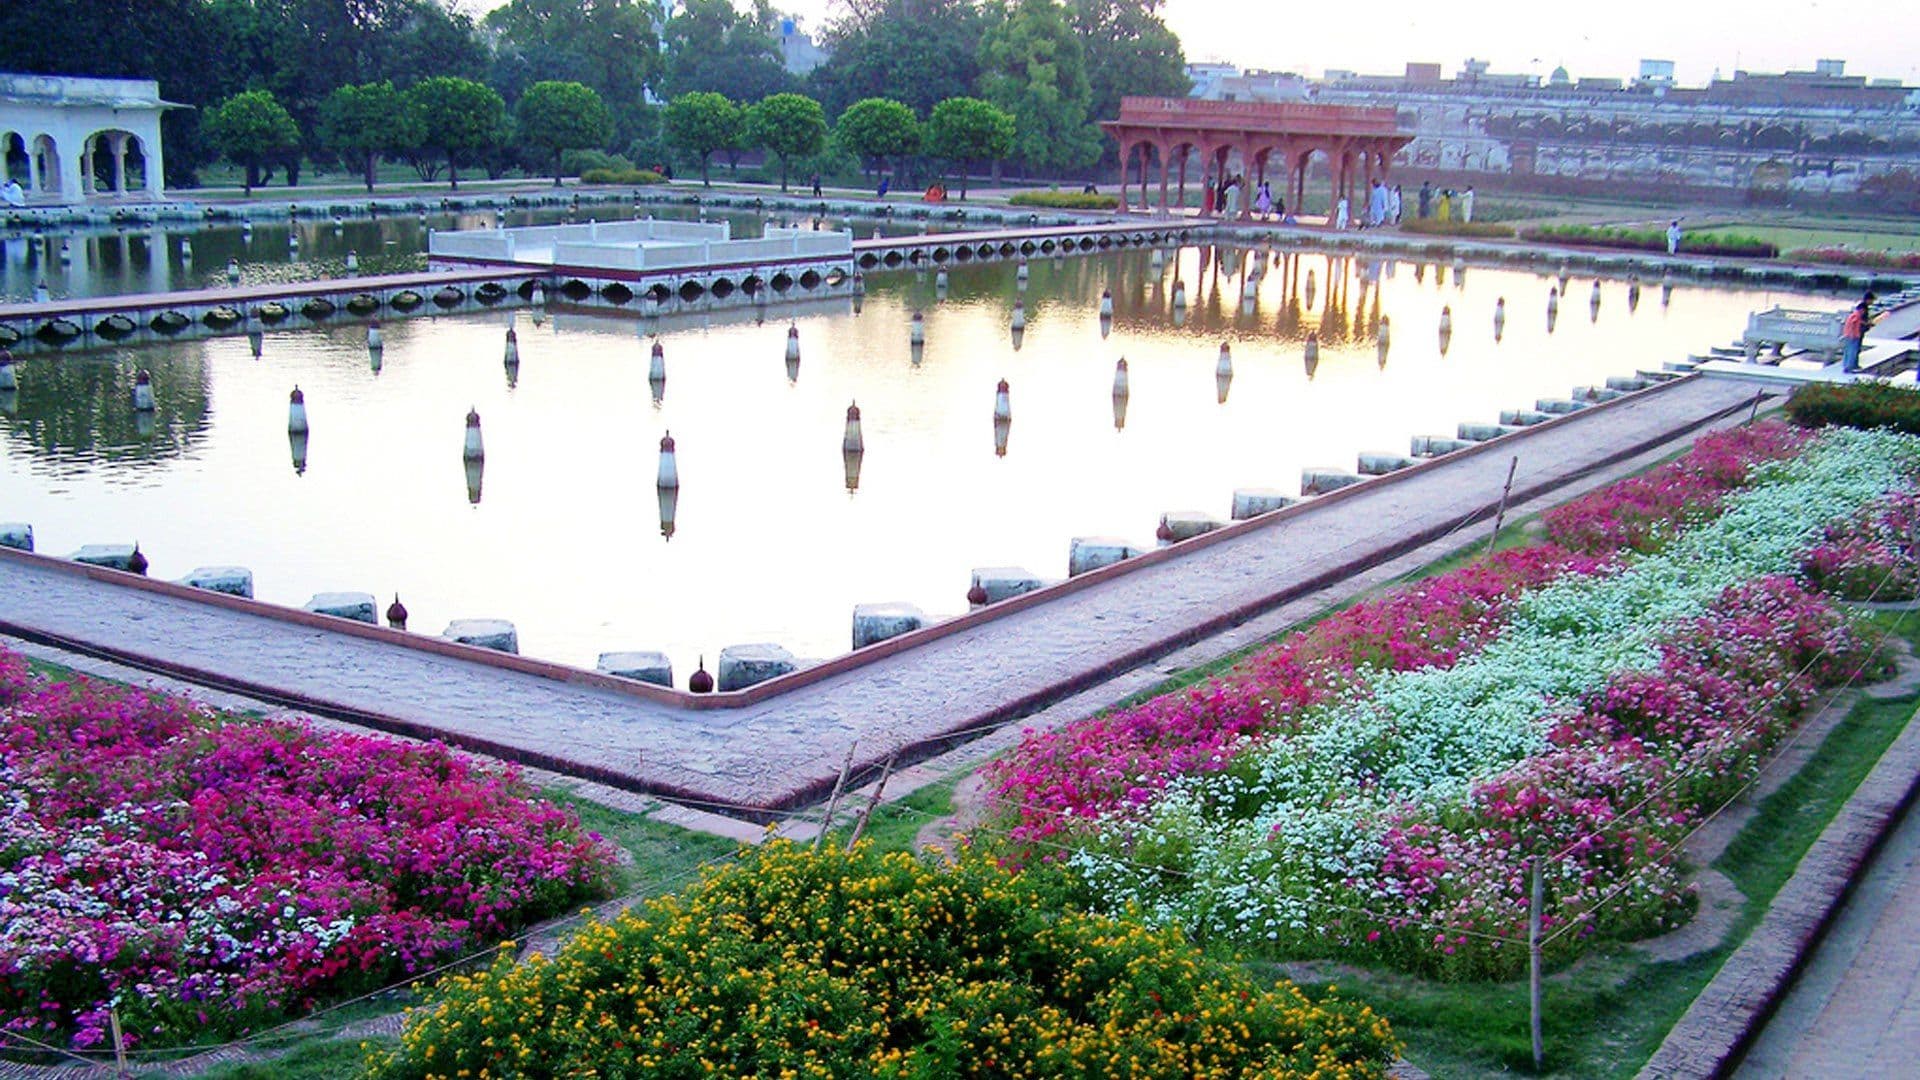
{"x":207,"y":873}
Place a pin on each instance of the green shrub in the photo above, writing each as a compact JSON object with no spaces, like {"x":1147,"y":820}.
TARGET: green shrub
{"x":1613,"y":236}
{"x":1858,"y":405}
{"x":576,"y":162}
{"x":621,"y":176}
{"x":1065,"y":200}
{"x":1846,"y":256}
{"x":1479,"y":229}
{"x":793,"y":962}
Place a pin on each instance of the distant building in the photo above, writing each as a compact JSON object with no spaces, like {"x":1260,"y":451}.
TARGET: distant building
{"x":1819,"y":133}
{"x":798,"y":53}
{"x":71,"y":140}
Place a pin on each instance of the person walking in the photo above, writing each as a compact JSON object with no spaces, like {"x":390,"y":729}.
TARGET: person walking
{"x":1445,"y":211}
{"x":1466,"y":206}
{"x":1263,"y":202}
{"x":1426,"y":198}
{"x":1852,"y":333}
{"x":1673,"y":237}
{"x":1340,"y":214}
{"x":1378,"y":205}
{"x":1206,"y":195}
{"x":1395,"y":204}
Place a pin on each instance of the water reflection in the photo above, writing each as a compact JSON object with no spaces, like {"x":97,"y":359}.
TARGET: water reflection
{"x":377,"y":509}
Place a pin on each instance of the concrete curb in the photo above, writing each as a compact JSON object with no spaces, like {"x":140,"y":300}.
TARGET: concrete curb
{"x":1729,"y":1013}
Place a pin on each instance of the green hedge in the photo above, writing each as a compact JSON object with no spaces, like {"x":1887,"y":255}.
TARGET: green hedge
{"x":1846,"y":256}
{"x":1065,"y":200}
{"x":1608,"y":236}
{"x":1479,"y":229}
{"x":1858,"y":405}
{"x":621,"y":176}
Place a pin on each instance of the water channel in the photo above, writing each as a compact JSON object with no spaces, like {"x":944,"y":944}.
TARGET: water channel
{"x":768,"y":542}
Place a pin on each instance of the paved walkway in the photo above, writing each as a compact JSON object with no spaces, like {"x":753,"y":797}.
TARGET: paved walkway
{"x":1855,"y":1009}
{"x":785,"y":749}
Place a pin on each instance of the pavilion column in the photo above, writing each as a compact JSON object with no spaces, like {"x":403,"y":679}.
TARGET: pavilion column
{"x":118,"y":145}
{"x":1186,"y":151}
{"x":1126,"y":149}
{"x":34,"y":179}
{"x":1166,"y":166}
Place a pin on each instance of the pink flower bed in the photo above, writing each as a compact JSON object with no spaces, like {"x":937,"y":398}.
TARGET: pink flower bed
{"x":1629,"y":776}
{"x":1124,"y":758}
{"x":1873,"y":556}
{"x":211,"y":873}
{"x":1641,"y":512}
{"x":1055,"y":781}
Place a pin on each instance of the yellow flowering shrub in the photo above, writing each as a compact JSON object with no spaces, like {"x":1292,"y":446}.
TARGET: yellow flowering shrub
{"x":795,"y":963}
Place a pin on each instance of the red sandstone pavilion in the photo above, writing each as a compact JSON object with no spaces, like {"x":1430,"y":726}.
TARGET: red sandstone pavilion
{"x":1358,"y":141}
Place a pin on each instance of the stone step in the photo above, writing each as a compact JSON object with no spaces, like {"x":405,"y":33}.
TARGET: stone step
{"x":1322,"y":481}
{"x":1382,"y":464}
{"x":1252,"y":502}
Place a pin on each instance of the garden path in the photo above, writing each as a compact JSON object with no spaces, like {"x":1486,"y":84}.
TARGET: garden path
{"x":788,"y":747}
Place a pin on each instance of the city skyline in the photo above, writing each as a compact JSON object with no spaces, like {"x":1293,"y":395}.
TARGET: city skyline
{"x":1872,"y":39}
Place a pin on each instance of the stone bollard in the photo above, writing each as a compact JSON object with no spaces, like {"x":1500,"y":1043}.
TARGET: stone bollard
{"x":353,"y":262}
{"x":646,"y":667}
{"x":358,"y":606}
{"x":296,"y":412}
{"x":231,"y":580}
{"x":1252,"y":502}
{"x":997,"y":583}
{"x":852,"y":441}
{"x":17,"y":535}
{"x":143,"y":391}
{"x":9,"y":381}
{"x":742,"y":666}
{"x":496,"y":634}
{"x":513,"y":347}
{"x":1019,"y":315}
{"x":473,"y":449}
{"x":1087,"y":553}
{"x":375,"y":340}
{"x":397,"y":613}
{"x":917,"y":330}
{"x":112,"y":556}
{"x":1224,"y":365}
{"x":1178,"y":525}
{"x":669,"y":474}
{"x":1106,"y":303}
{"x":878,"y":622}
{"x":1322,"y":481}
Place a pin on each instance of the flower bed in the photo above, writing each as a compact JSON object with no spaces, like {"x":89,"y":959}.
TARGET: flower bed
{"x":1389,"y":810}
{"x":796,"y":963}
{"x":1846,"y":256}
{"x":1863,"y":404}
{"x":207,"y":874}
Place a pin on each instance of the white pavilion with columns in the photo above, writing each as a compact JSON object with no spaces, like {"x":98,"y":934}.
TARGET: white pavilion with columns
{"x":71,"y":140}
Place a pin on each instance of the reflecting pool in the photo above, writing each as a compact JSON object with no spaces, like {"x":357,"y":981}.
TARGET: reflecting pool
{"x":562,"y":530}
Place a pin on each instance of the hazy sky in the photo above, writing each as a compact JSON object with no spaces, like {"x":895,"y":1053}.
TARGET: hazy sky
{"x":1591,"y":37}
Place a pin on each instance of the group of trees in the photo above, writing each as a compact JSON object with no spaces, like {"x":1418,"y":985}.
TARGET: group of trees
{"x":278,"y":82}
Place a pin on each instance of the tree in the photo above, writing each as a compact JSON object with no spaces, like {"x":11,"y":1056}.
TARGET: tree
{"x":790,"y":125}
{"x":608,"y":45}
{"x":700,"y":123}
{"x":712,"y":46}
{"x":965,"y":129}
{"x":248,"y":128}
{"x":1032,"y":66}
{"x":1129,"y":50}
{"x":558,"y":116}
{"x":920,"y":52}
{"x":363,"y":123}
{"x":878,"y":128}
{"x":456,"y":116}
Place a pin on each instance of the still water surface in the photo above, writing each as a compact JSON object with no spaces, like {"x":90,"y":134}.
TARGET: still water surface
{"x":769,"y":544}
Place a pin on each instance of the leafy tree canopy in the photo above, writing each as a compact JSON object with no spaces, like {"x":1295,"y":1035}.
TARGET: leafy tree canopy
{"x":700,"y":123}
{"x":249,"y":128}
{"x":713,"y":46}
{"x":362,"y":123}
{"x":788,"y":125}
{"x":878,"y":128}
{"x":965,"y":129}
{"x":556,"y":116}
{"x":1032,"y":66}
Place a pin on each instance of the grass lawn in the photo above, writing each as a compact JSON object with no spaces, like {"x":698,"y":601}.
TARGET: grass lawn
{"x":1789,"y":237}
{"x":1607,"y":1013}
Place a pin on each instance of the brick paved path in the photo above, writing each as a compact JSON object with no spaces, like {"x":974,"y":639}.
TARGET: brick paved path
{"x":1854,"y":1011}
{"x":782,"y":750}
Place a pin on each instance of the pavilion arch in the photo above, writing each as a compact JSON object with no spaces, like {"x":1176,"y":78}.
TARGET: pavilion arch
{"x":18,"y":165}
{"x":110,"y":158}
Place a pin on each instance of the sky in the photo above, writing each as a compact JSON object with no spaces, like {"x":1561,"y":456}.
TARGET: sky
{"x":1590,"y":37}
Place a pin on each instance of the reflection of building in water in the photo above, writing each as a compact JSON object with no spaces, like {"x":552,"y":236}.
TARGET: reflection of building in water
{"x":1751,"y":137}
{"x":71,"y":140}
{"x":73,"y":413}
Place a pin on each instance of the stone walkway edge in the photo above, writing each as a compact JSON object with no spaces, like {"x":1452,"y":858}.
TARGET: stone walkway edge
{"x":1729,"y":1013}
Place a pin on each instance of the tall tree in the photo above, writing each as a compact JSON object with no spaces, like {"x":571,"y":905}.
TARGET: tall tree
{"x":712,"y":46}
{"x":1032,"y":66}
{"x":250,"y":128}
{"x":1129,"y":50}
{"x":609,"y":45}
{"x":966,"y":129}
{"x":559,"y":116}
{"x":917,"y":51}
{"x":788,"y":125}
{"x":878,"y":129}
{"x":700,"y":123}
{"x":363,"y":123}
{"x":457,"y":117}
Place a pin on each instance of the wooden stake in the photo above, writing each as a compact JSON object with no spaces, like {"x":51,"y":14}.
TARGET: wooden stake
{"x":119,"y":1042}
{"x":879,"y":789}
{"x":833,"y":801}
{"x":1533,"y":961}
{"x":1500,"y":515}
{"x":1755,"y":410}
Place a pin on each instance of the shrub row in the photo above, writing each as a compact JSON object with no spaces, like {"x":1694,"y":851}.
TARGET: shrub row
{"x":1845,"y":256}
{"x":1608,"y":236}
{"x":1065,"y":200}
{"x":1486,"y":230}
{"x":1858,"y":405}
{"x":621,"y":176}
